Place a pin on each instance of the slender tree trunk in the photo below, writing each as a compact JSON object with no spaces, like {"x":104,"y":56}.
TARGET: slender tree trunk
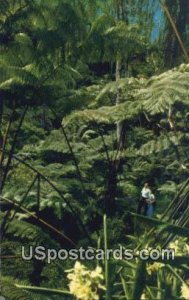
{"x":38,"y":194}
{"x":118,"y":76}
{"x":4,"y":140}
{"x":120,"y":127}
{"x":176,"y":37}
{"x":1,"y":111}
{"x":1,"y":136}
{"x":5,"y":172}
{"x":121,"y":16}
{"x":110,"y":195}
{"x":111,"y":191}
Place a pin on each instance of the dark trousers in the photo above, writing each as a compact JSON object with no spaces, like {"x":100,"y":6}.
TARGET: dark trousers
{"x":142,"y":206}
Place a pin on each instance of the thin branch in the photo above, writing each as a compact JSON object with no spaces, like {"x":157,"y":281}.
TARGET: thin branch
{"x":105,"y":146}
{"x":57,"y":190}
{"x":165,"y":8}
{"x":5,"y":138}
{"x":6,"y":220}
{"x":38,"y":192}
{"x":38,"y":219}
{"x":10,"y":155}
{"x":72,"y":153}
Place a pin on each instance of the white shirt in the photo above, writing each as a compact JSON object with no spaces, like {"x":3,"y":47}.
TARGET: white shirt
{"x":145,"y":192}
{"x":152,"y":198}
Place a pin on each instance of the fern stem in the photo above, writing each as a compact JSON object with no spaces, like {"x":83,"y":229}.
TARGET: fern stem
{"x":48,"y":291}
{"x":8,"y":220}
{"x":175,"y":29}
{"x":72,"y":153}
{"x":39,"y":219}
{"x":106,"y":262}
{"x":12,"y":149}
{"x":58,"y":191}
{"x":5,"y":138}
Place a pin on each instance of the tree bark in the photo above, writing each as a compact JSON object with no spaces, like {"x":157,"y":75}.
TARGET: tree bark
{"x":119,"y":124}
{"x":110,"y":195}
{"x":1,"y":136}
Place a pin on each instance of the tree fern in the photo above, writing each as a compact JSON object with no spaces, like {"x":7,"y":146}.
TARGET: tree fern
{"x":162,"y":143}
{"x":9,"y":291}
{"x":12,"y":290}
{"x":163,"y":91}
{"x":158,"y":95}
{"x":105,"y":115}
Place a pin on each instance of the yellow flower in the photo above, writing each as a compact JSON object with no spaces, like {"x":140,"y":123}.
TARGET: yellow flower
{"x":85,"y":284}
{"x":143,"y":297}
{"x":79,"y":267}
{"x":175,"y":246}
{"x":82,"y":292}
{"x":185,"y":291}
{"x":154,"y":267}
{"x":180,"y":246}
{"x":97,"y":273}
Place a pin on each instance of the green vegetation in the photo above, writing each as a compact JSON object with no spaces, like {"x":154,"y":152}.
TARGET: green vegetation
{"x":94,"y":99}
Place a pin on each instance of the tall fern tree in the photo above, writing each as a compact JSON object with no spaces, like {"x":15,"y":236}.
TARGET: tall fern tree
{"x":161,"y":101}
{"x":31,"y":67}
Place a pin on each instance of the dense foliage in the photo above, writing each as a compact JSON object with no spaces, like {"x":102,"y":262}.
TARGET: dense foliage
{"x":89,"y":112}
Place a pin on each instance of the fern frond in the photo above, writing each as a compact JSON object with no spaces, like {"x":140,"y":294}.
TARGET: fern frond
{"x":11,"y":292}
{"x":27,"y":231}
{"x":11,"y":75}
{"x":106,"y":114}
{"x":163,"y":91}
{"x":160,"y":144}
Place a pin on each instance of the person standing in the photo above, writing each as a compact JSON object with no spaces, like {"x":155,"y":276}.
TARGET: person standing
{"x":145,"y":194}
{"x":150,"y":205}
